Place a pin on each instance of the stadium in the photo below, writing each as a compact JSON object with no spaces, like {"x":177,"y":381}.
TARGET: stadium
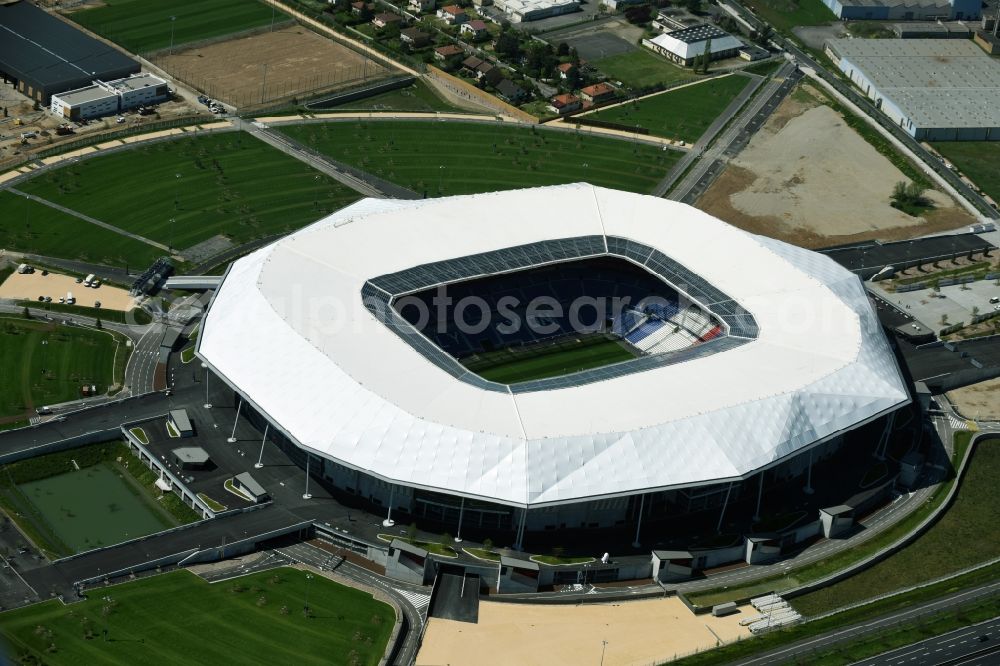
{"x":566,"y":357}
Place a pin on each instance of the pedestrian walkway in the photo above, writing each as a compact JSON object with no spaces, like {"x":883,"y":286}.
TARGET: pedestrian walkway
{"x":419,"y":600}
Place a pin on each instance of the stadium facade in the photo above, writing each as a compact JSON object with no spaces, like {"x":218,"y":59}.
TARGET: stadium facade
{"x":761,"y":356}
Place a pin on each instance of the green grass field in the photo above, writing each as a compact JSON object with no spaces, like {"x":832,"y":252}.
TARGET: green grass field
{"x":141,"y":26}
{"x":964,"y":536}
{"x":680,"y":114}
{"x":787,"y":14}
{"x":177,"y":618}
{"x":229,"y":184}
{"x":506,"y":368}
{"x":465,"y":158}
{"x":38,"y":229}
{"x":42,"y":363}
{"x":979,"y":160}
{"x":642,"y":68}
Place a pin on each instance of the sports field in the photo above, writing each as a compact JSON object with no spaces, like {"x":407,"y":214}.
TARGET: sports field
{"x":641,"y":68}
{"x":43,"y":363}
{"x":514,"y":365}
{"x":141,"y":26}
{"x":439,"y":158}
{"x":92,"y":507}
{"x":182,"y":192}
{"x":32,"y":227}
{"x":178,"y":618}
{"x":979,"y":160}
{"x":680,"y":114}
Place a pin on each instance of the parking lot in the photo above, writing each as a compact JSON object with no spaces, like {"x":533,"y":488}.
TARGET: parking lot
{"x":954,"y":303}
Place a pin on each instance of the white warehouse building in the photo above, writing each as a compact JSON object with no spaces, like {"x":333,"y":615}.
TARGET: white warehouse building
{"x":522,"y":11}
{"x":934,"y":89}
{"x":684,"y":45}
{"x":103,"y":98}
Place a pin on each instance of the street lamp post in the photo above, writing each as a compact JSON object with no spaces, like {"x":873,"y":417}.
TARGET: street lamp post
{"x":260,"y":458}
{"x":208,"y":402}
{"x":307,"y":495}
{"x":604,"y":646}
{"x":232,"y":437}
{"x":172,"y":19}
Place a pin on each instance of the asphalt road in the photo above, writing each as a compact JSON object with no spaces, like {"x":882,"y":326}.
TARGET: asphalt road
{"x":975,"y":644}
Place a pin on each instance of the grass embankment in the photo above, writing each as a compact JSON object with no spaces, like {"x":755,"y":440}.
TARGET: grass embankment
{"x":149,"y":25}
{"x":682,"y":114}
{"x":430,"y":546}
{"x":977,"y":269}
{"x":843,"y":559}
{"x":465,"y":158}
{"x":256,"y":619}
{"x":483,"y":554}
{"x":226,"y":184}
{"x":418,"y":97}
{"x":43,"y":363}
{"x":979,"y":160}
{"x":559,"y":560}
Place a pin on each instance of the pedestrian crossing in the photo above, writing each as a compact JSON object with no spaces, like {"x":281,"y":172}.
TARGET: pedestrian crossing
{"x":957,"y":423}
{"x":419,"y":600}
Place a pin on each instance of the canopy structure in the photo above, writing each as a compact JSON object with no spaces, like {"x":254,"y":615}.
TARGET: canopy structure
{"x":290,"y":331}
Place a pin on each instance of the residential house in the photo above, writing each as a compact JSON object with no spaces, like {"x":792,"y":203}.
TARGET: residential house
{"x":476,"y":29}
{"x":386,"y":19}
{"x":358,"y":7}
{"x":598,"y":93}
{"x":414,"y":37}
{"x":448,"y":54}
{"x":453,"y":15}
{"x":565,"y":68}
{"x":511,"y":92}
{"x":566,"y":103}
{"x":420,"y":6}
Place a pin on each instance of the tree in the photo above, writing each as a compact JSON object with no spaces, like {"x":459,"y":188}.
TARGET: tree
{"x":944,"y":319}
{"x":98,"y":324}
{"x":562,"y":50}
{"x":975,"y":310}
{"x":487,"y":544}
{"x":707,"y":56}
{"x":26,"y":314}
{"x":411,"y":531}
{"x":507,"y":45}
{"x":693,"y":6}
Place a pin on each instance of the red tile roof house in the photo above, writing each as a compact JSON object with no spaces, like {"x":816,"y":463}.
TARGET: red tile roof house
{"x":382,"y":20}
{"x":597,"y":93}
{"x":565,"y":69}
{"x":448,"y":52}
{"x":566,"y":103}
{"x":414,"y":37}
{"x":453,"y":15}
{"x":475,"y":28}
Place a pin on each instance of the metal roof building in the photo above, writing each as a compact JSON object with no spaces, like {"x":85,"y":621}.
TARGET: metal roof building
{"x":386,"y":412}
{"x":684,"y":45}
{"x":43,"y":55}
{"x":934,"y":89}
{"x":907,"y":10}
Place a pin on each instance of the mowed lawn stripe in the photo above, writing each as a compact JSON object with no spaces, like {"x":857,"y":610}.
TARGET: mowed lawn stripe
{"x":439,"y":158}
{"x":227,"y":184}
{"x":145,"y":25}
{"x":557,"y":363}
{"x":680,"y":114}
{"x":169,"y":616}
{"x":32,"y":227}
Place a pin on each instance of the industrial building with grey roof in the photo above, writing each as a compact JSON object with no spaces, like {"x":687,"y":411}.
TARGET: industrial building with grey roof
{"x":43,"y":55}
{"x":934,"y":89}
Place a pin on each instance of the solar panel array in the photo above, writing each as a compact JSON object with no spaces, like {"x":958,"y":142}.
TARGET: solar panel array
{"x":378,"y":294}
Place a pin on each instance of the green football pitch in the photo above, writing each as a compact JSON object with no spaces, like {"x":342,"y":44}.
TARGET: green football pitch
{"x":141,"y":26}
{"x":43,"y":363}
{"x":182,"y":192}
{"x":178,"y":618}
{"x":514,"y":365}
{"x":437,"y":158}
{"x":679,"y":114}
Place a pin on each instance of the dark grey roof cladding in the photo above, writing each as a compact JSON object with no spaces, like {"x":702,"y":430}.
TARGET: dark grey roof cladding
{"x":40,"y":48}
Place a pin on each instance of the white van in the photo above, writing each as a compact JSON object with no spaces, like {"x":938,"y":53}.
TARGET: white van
{"x":69,"y":298}
{"x":87,"y":280}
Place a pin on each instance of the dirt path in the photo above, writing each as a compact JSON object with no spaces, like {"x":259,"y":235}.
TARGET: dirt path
{"x":809,"y":179}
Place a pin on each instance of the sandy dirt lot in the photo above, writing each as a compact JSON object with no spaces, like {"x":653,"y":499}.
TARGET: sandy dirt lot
{"x":979,"y":401}
{"x":32,"y":285}
{"x":271,"y":66}
{"x":637,"y":632}
{"x":810,"y":179}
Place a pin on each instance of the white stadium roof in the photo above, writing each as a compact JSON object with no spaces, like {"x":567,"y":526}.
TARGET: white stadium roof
{"x":289,"y":331}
